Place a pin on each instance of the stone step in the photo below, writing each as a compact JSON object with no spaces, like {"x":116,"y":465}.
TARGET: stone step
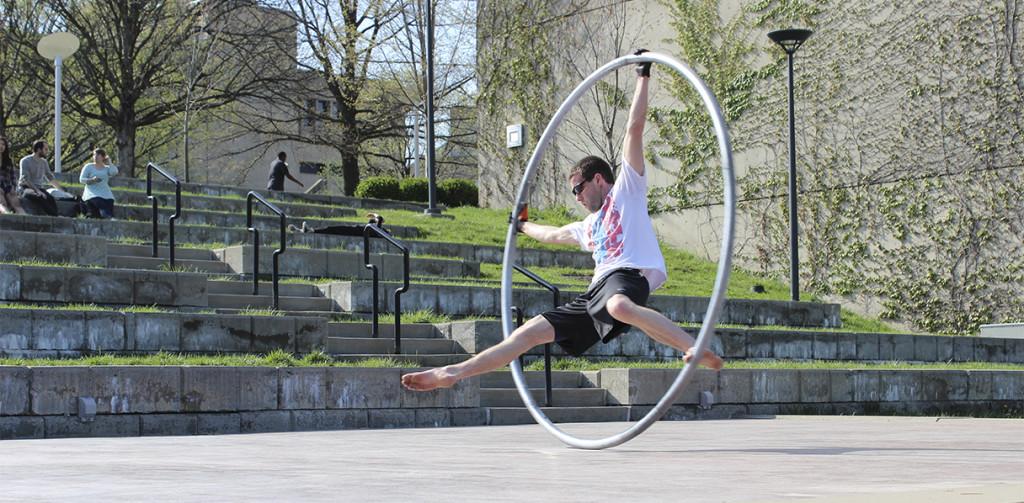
{"x":560,"y":397}
{"x":384,"y":330}
{"x":236,"y":205}
{"x":245,"y":288}
{"x":534,"y":379}
{"x":519,"y":415}
{"x":128,"y":250}
{"x":411,"y":346}
{"x":161,"y":264}
{"x":316,"y":263}
{"x":420,"y":360}
{"x":266,"y":300}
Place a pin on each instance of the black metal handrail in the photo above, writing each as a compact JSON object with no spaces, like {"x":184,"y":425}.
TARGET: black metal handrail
{"x":372,"y":227}
{"x":547,"y":347}
{"x":177,"y":208}
{"x":256,"y":242}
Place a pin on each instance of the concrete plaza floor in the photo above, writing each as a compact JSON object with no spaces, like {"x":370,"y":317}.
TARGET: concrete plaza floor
{"x":873,"y":459}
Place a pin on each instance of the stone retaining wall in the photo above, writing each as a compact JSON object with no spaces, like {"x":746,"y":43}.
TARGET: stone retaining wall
{"x":784,"y":391}
{"x":485,"y":300}
{"x":338,"y":264}
{"x":101,"y":286}
{"x":74,"y":249}
{"x":43,"y":333}
{"x":476,"y":336}
{"x":42,"y":402}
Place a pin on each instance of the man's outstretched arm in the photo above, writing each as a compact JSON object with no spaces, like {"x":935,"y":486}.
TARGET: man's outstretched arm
{"x":633,"y":145}
{"x":549,"y":234}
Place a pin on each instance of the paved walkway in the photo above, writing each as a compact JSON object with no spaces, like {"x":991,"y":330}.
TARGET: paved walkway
{"x":875,"y":459}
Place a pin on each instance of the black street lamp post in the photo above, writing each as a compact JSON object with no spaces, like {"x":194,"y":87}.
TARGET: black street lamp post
{"x":791,"y":40}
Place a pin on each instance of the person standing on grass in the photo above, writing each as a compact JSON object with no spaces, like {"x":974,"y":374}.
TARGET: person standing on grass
{"x":278,"y":172}
{"x":96,"y":178}
{"x":628,"y":266}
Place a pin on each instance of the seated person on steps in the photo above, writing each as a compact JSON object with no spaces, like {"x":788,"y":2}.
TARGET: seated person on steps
{"x":629,"y":266}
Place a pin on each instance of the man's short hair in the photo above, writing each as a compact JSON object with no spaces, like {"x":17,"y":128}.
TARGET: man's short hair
{"x":38,"y":145}
{"x":592,"y":165}
{"x":282,"y":155}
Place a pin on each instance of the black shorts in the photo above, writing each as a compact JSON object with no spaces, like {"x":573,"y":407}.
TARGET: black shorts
{"x":585,"y":321}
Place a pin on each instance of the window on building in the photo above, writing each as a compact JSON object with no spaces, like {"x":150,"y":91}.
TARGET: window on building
{"x":311,"y":168}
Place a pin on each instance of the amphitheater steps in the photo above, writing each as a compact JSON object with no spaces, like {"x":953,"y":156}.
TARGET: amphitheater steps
{"x":385,"y":346}
{"x":503,"y":416}
{"x":574,"y":399}
{"x":266,"y":300}
{"x":560,"y":397}
{"x":422,"y":360}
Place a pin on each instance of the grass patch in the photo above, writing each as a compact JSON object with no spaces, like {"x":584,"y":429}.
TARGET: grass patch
{"x":264,"y":311}
{"x":85,"y":307}
{"x":421,"y":316}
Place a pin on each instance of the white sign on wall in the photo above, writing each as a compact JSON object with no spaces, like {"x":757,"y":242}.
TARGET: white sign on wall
{"x":514,"y":136}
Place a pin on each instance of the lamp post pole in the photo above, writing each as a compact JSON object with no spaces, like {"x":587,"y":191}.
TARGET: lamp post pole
{"x":432,"y":208}
{"x":790,"y":40}
{"x":58,"y":47}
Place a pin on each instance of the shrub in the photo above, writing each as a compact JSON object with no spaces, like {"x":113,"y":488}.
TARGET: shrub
{"x":458,"y":192}
{"x":379,"y":187}
{"x":414,"y":189}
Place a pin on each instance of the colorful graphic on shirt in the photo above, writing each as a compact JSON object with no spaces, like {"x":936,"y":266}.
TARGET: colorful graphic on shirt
{"x":605,"y":234}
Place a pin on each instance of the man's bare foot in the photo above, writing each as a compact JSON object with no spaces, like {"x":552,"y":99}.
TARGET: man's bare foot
{"x":428,"y":380}
{"x":708,"y":359}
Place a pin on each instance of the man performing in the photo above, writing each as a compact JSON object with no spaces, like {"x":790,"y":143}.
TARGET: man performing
{"x":629,"y":266}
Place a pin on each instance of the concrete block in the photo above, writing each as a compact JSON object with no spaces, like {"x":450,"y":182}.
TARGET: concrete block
{"x":484,"y":301}
{"x":795,"y":346}
{"x":759,"y":345}
{"x":866,"y":386}
{"x":90,"y":250}
{"x":979,"y":385}
{"x":1014,"y":350}
{"x":190,"y":290}
{"x":302,"y":388}
{"x":102,"y":426}
{"x":133,"y":390}
{"x":943,"y":385}
{"x":826,"y":346}
{"x":465,"y":393}
{"x":867,"y":346}
{"x":17,"y":245}
{"x":213,"y":389}
{"x":100,"y":286}
{"x":310,"y":334}
{"x":926,"y":348}
{"x":846,"y":347}
{"x":963,"y":348}
{"x":10,"y":282}
{"x":815,"y":386}
{"x":272,"y":332}
{"x":841,"y":384}
{"x":154,"y":288}
{"x":987,"y":349}
{"x":943,"y":349}
{"x":21,"y":428}
{"x":897,"y":385}
{"x":775,"y":386}
{"x":16,"y":329}
{"x":57,"y":250}
{"x":1008,"y":385}
{"x":104,"y":331}
{"x":154,"y":332}
{"x":14,"y":390}
{"x":43,"y":284}
{"x":269,"y":421}
{"x":363,"y":388}
{"x":168,"y":425}
{"x":422,"y":399}
{"x":219,"y":424}
{"x":432,"y":418}
{"x":60,"y":330}
{"x":474,"y":416}
{"x":320,"y":420}
{"x":55,"y":389}
{"x":216,"y":332}
{"x":903,"y":347}
{"x":391,"y":418}
{"x":734,"y":386}
{"x":733,"y":343}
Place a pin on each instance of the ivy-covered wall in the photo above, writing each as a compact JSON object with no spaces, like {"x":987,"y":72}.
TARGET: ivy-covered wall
{"x":909,"y":143}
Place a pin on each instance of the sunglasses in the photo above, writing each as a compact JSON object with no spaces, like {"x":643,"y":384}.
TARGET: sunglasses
{"x":576,"y":189}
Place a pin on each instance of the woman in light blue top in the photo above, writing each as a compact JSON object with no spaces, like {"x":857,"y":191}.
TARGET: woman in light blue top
{"x":95,"y":176}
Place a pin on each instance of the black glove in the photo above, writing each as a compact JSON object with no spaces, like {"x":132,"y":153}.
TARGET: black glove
{"x":642,"y":69}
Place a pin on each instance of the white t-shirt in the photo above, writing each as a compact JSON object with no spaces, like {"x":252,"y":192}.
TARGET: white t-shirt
{"x":621,"y":233}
